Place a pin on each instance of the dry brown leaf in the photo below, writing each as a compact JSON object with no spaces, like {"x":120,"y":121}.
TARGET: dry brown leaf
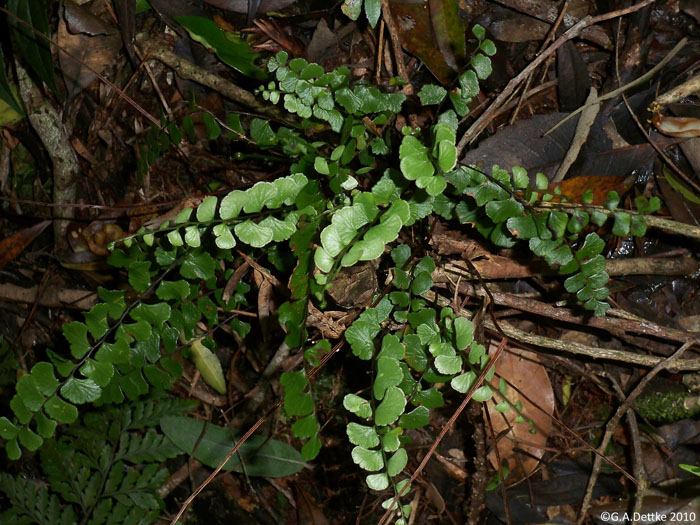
{"x":12,"y":246}
{"x":87,"y":38}
{"x":528,"y":383}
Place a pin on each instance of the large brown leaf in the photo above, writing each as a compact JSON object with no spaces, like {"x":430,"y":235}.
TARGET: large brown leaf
{"x":528,"y":383}
{"x":92,"y":43}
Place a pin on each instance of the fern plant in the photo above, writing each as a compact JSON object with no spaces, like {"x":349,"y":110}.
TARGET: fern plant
{"x":99,"y":476}
{"x":343,"y":202}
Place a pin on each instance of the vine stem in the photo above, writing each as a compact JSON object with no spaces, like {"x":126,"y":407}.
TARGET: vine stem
{"x":575,"y":30}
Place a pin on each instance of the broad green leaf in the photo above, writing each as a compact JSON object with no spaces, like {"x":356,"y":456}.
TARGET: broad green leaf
{"x":488,"y":47}
{"x":388,"y":375}
{"x":9,"y":430}
{"x":501,"y":210}
{"x":61,"y":411}
{"x":323,"y":260}
{"x":175,"y":238}
{"x":43,"y":374}
{"x":391,"y":347}
{"x":262,"y":134}
{"x":81,"y":391}
{"x":169,"y":290}
{"x":311,"y":449}
{"x":206,"y":210}
{"x":360,"y":335}
{"x":139,"y":275}
{"x":464,"y":332}
{"x":469,"y":84}
{"x":155,"y":314}
{"x":305,"y":427}
{"x":29,"y":439}
{"x":574,"y":283}
{"x":377,"y":481}
{"x":520,"y":178}
{"x":360,"y":435}
{"x":260,"y":195}
{"x":100,"y":373}
{"x":253,"y":234}
{"x":593,"y":266}
{"x":118,"y":352}
{"x":447,"y":156}
{"x":321,"y":165}
{"x":224,"y":237}
{"x":232,"y":204}
{"x":422,"y":282}
{"x":210,"y":444}
{"x":431,"y":94}
{"x":541,"y":182}
{"x":391,"y":441}
{"x":482,"y":394}
{"x":391,"y":407}
{"x":397,"y":462}
{"x":462,"y":383}
{"x":416,"y":418}
{"x":29,"y":392}
{"x":448,"y":365}
{"x":13,"y":451}
{"x":481,"y":65}
{"x":434,"y":185}
{"x":431,"y":398}
{"x":198,"y":265}
{"x":357,"y":405}
{"x":592,"y":246}
{"x":638,"y":226}
{"x":621,"y":226}
{"x":368,"y":459}
{"x":611,"y":201}
{"x":76,"y":334}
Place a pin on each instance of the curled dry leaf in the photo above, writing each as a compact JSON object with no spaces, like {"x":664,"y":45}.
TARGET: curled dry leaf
{"x":94,"y":43}
{"x":528,"y":383}
{"x":682,"y":127}
{"x":12,"y":246}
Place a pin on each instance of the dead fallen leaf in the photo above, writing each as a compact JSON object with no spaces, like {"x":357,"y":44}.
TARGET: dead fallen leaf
{"x":94,"y":43}
{"x":12,"y":246}
{"x":528,"y":383}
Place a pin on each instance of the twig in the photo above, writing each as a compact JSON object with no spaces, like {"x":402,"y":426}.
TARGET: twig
{"x":396,"y":45}
{"x":667,"y":225}
{"x":574,"y":348}
{"x":575,"y":30}
{"x":616,"y":326}
{"x":189,"y":71}
{"x":666,"y":364}
{"x":640,"y":80}
{"x":550,"y":36}
{"x":637,"y":454}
